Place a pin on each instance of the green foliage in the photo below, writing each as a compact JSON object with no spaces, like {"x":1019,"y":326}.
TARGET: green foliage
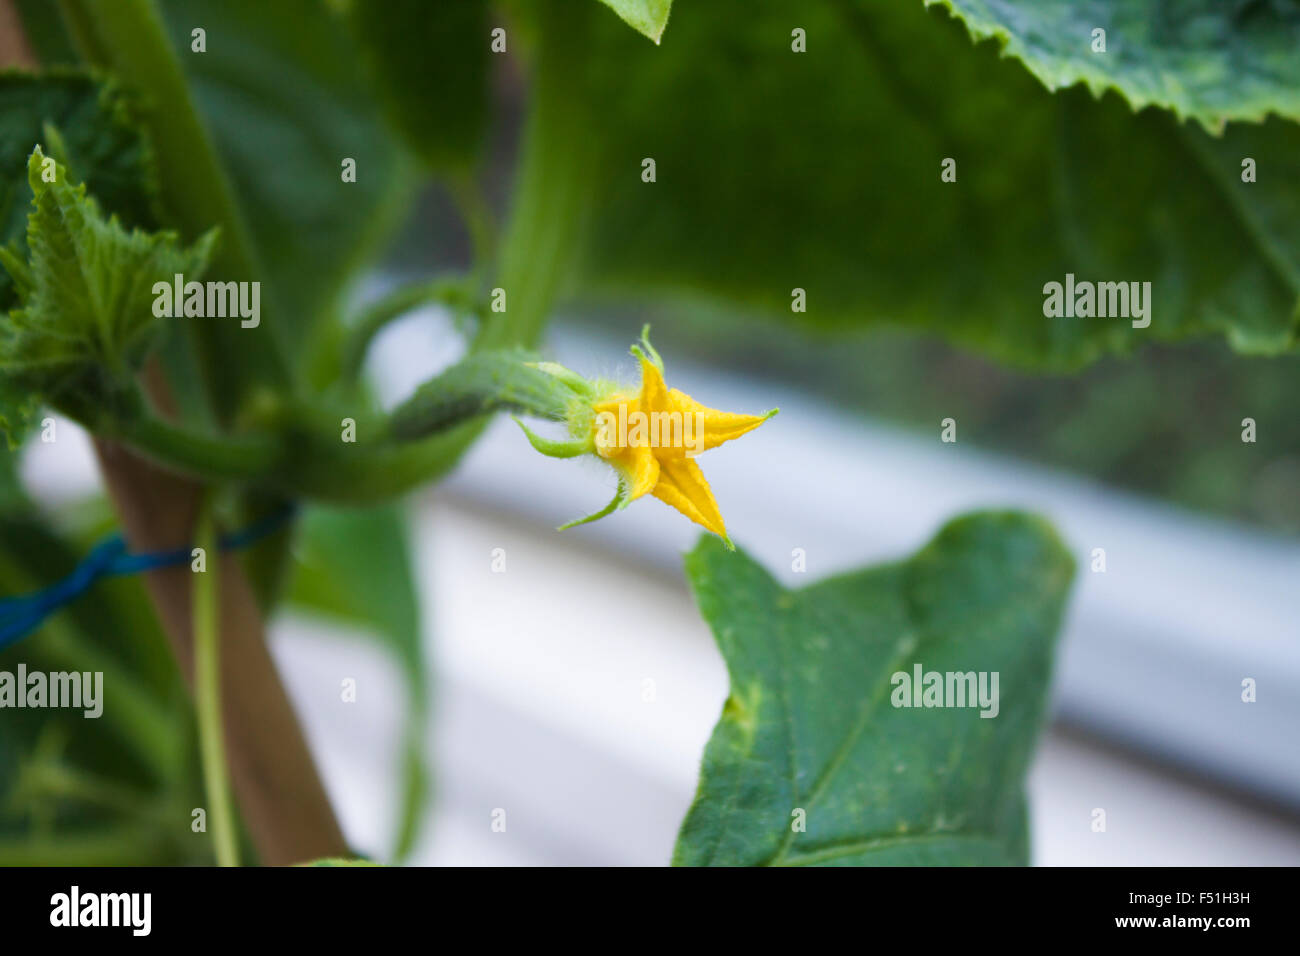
{"x":86,"y":319}
{"x":779,"y":170}
{"x":117,"y":789}
{"x":1206,"y":59}
{"x":645,"y":16}
{"x":430,"y":65}
{"x":809,"y":723}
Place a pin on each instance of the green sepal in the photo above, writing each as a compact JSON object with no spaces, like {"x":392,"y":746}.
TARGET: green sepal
{"x":619,"y":502}
{"x":555,"y":447}
{"x":570,"y":378}
{"x":649,"y":353}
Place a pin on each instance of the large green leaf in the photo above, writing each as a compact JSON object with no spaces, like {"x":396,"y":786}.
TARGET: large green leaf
{"x":811,"y":722}
{"x":778,"y":170}
{"x":278,"y":87}
{"x":430,"y":66}
{"x":1209,"y":59}
{"x":354,"y":565}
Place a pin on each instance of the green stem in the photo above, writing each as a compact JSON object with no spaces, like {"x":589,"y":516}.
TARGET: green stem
{"x":325,"y":468}
{"x":477,"y":216}
{"x":537,"y":252}
{"x":549,"y":210}
{"x":300,"y":451}
{"x":303,"y":458}
{"x":450,"y":292}
{"x":370,"y":474}
{"x":477,"y":385}
{"x":127,"y":39}
{"x":207,"y":693}
{"x":206,"y":457}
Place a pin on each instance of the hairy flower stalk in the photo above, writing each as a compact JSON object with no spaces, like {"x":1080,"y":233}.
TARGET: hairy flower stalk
{"x":650,"y":437}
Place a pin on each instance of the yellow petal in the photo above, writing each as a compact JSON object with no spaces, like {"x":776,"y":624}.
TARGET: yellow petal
{"x":715,"y":426}
{"x":640,"y":467}
{"x":612,"y":403}
{"x":605,"y":432}
{"x":654,"y":393}
{"x":682,"y":485}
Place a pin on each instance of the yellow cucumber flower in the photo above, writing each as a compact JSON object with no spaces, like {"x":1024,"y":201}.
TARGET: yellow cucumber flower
{"x":649,"y":437}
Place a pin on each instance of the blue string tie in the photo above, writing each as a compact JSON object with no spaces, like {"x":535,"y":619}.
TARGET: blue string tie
{"x":22,"y":614}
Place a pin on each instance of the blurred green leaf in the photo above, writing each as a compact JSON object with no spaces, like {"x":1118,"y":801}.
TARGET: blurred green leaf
{"x":1207,"y":59}
{"x":646,"y":16}
{"x":278,"y":89}
{"x":18,"y":409}
{"x":430,"y":65}
{"x":117,"y":789}
{"x":354,"y":565}
{"x":43,"y":25}
{"x":13,"y":498}
{"x":821,"y":171}
{"x":809,"y":724}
